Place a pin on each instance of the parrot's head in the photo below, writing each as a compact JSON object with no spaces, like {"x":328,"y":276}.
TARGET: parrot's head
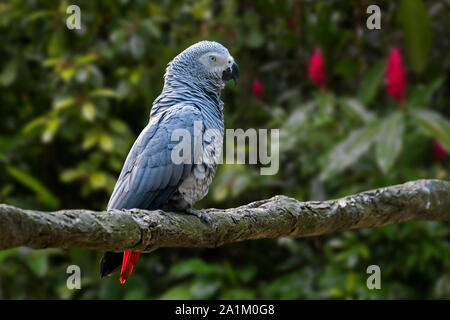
{"x":206,"y":62}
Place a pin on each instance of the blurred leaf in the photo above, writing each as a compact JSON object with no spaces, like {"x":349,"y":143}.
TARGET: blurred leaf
{"x":90,"y":139}
{"x":137,"y":46}
{"x":136,"y":293}
{"x":8,"y":74}
{"x":70,"y":175}
{"x":205,"y":288}
{"x":36,"y":122}
{"x":255,"y":39}
{"x":293,"y":285}
{"x":86,"y":58}
{"x":6,"y":253}
{"x":118,"y":126}
{"x":7,"y":144}
{"x":106,"y":142}
{"x":389,"y":140}
{"x":180,"y":292}
{"x":88,"y":111}
{"x":442,"y":286}
{"x":108,"y":289}
{"x":194,"y":266}
{"x":247,"y":273}
{"x":151,"y":28}
{"x":238,"y":294}
{"x":353,"y":106}
{"x":63,"y":103}
{"x":232,"y":181}
{"x":371,"y":82}
{"x":39,"y":14}
{"x":51,"y":128}
{"x":336,"y":293}
{"x":38,"y":260}
{"x":27,"y":180}
{"x":38,"y":264}
{"x":433,"y":125}
{"x":67,"y":73}
{"x":135,"y":76}
{"x":123,"y":89}
{"x":326,"y":102}
{"x":421,"y":95}
{"x":103,"y":92}
{"x":57,"y":43}
{"x":51,"y":62}
{"x":413,"y":16}
{"x":348,"y":151}
{"x":82,"y":75}
{"x":98,"y":180}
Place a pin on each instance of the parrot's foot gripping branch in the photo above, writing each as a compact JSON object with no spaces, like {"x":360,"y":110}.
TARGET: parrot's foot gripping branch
{"x":201,"y":215}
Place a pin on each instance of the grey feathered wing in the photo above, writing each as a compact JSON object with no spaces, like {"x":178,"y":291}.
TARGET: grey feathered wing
{"x":149,"y":177}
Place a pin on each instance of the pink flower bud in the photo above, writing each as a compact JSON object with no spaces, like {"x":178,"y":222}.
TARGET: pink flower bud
{"x":438,"y":151}
{"x":396,"y":76}
{"x":316,"y":70}
{"x":290,"y":21}
{"x":257,"y":88}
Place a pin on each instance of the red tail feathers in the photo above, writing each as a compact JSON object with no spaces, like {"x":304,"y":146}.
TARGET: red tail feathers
{"x":129,"y":260}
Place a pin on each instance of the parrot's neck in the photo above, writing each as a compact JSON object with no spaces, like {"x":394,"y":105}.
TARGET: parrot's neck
{"x":206,"y":95}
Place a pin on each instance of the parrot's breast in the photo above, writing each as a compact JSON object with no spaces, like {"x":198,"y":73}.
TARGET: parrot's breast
{"x":196,"y":185}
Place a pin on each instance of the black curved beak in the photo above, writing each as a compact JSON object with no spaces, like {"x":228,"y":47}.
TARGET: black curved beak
{"x":231,"y":73}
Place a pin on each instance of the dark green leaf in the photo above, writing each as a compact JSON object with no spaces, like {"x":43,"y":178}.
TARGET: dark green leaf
{"x":194,"y":266}
{"x":421,"y":95}
{"x":413,"y":16}
{"x":371,"y":83}
{"x":32,"y":183}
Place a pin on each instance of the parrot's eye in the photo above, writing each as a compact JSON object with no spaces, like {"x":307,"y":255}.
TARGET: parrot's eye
{"x":212,"y":58}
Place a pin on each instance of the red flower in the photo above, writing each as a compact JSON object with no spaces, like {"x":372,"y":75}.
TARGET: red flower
{"x":438,"y":150}
{"x":257,"y":88}
{"x":316,"y":71}
{"x":290,"y":22}
{"x":396,"y":76}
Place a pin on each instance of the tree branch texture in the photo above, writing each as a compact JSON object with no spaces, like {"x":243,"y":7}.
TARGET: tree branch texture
{"x":280,"y":216}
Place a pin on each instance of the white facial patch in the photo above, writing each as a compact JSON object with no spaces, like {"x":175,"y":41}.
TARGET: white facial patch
{"x":216,"y":62}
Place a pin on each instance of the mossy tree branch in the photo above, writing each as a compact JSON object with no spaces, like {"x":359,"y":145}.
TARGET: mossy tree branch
{"x":280,"y":216}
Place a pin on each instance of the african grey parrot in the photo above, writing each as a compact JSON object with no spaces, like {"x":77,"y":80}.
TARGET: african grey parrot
{"x":189,"y":101}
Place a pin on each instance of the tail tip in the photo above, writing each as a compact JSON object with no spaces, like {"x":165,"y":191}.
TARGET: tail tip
{"x":123,"y":279}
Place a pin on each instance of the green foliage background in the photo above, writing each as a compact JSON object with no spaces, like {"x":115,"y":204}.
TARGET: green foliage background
{"x":72,"y":103}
